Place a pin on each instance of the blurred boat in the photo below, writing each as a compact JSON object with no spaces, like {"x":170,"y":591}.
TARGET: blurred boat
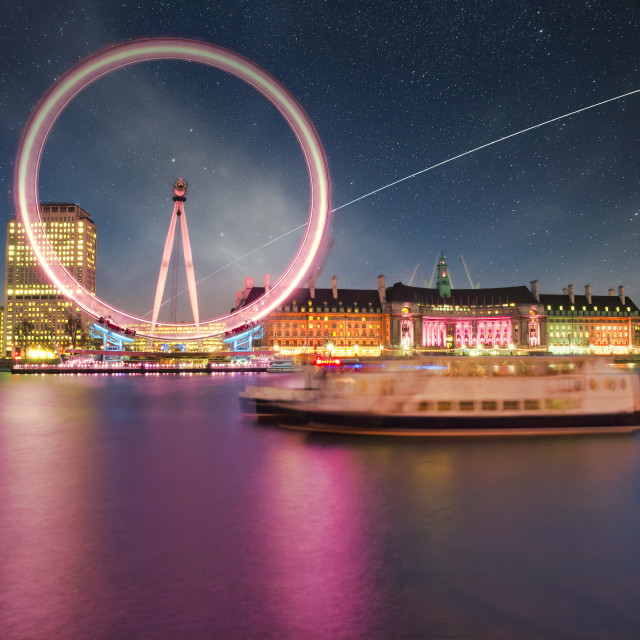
{"x":283,"y":366}
{"x":265,"y":402}
{"x":471,"y":396}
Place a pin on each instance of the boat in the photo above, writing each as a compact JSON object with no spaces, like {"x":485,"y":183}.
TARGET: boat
{"x":471,"y":396}
{"x":283,"y":366}
{"x":265,"y":402}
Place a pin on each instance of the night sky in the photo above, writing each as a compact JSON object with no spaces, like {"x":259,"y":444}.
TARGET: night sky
{"x":392,"y":88}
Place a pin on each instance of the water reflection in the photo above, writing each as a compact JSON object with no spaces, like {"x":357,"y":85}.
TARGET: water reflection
{"x":48,"y":479}
{"x":147,"y":507}
{"x":319,"y":511}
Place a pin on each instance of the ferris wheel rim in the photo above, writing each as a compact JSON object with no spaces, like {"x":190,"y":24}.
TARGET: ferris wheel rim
{"x":104,"y":62}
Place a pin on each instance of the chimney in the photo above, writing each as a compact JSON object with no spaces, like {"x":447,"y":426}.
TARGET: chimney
{"x":587,"y":292}
{"x":572,"y":294}
{"x":382,"y":289}
{"x":535,"y":289}
{"x":334,"y":287}
{"x":248,"y":285}
{"x":267,"y":283}
{"x":621,"y":294}
{"x":565,"y":291}
{"x":612,"y":292}
{"x":312,"y":287}
{"x":238,"y":299}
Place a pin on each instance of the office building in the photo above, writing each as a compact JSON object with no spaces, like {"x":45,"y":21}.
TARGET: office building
{"x":37,"y":315}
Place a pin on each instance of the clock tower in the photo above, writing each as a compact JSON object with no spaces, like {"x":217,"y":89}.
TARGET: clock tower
{"x":443,"y":282}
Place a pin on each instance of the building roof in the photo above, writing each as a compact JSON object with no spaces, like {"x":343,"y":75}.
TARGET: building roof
{"x":361,"y":298}
{"x":82,"y":213}
{"x":598,"y":303}
{"x":401,"y":293}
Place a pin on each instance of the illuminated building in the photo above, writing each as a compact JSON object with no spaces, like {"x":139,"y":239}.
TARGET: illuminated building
{"x":504,"y":317}
{"x":203,"y":344}
{"x":447,"y":318}
{"x":343,"y":322}
{"x":406,"y":319}
{"x":588,"y":323}
{"x":36,"y":313}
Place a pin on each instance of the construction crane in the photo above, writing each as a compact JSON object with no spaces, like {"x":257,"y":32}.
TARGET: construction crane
{"x":413,"y":275}
{"x":464,"y":264}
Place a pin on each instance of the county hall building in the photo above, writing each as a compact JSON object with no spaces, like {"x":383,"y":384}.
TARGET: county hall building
{"x":402,"y":318}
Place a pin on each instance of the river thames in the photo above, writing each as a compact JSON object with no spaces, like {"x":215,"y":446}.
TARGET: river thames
{"x":148,"y":507}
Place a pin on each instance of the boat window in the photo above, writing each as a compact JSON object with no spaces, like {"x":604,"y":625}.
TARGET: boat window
{"x":467,"y":405}
{"x":489,"y":405}
{"x":623,"y":383}
{"x":444,"y":405}
{"x":533,"y":405}
{"x":424,"y":406}
{"x":511,"y":405}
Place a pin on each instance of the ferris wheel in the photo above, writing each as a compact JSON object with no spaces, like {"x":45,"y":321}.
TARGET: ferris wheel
{"x":104,"y":62}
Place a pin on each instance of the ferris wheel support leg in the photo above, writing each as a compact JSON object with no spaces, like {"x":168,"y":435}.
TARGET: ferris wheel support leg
{"x":191,"y":278}
{"x":164,"y":266}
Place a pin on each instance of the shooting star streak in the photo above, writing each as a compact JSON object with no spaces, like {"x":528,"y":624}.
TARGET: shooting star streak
{"x":430,"y":168}
{"x":484,"y":146}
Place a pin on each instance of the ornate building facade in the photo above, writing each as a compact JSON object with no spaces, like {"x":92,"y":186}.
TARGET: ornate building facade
{"x":406,"y":319}
{"x":595,"y":324}
{"x":346,"y":322}
{"x":447,"y":318}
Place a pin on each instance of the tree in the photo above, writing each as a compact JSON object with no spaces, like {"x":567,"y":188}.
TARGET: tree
{"x":73,"y":328}
{"x":23,"y":334}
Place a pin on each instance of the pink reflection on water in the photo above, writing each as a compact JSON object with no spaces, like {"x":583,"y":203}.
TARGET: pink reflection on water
{"x":321,"y":561}
{"x":46,"y":560}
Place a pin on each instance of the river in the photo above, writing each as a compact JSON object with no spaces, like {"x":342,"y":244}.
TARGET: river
{"x":148,"y":507}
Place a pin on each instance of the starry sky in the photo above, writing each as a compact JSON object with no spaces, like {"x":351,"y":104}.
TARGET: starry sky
{"x":392,"y":88}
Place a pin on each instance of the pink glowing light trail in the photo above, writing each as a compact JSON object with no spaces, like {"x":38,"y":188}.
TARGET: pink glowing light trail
{"x":109,"y":60}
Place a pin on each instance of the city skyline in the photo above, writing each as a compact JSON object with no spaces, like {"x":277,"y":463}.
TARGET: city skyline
{"x":391,"y":91}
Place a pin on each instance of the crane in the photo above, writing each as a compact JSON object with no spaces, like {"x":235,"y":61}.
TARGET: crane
{"x":464,"y":264}
{"x":413,"y":275}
